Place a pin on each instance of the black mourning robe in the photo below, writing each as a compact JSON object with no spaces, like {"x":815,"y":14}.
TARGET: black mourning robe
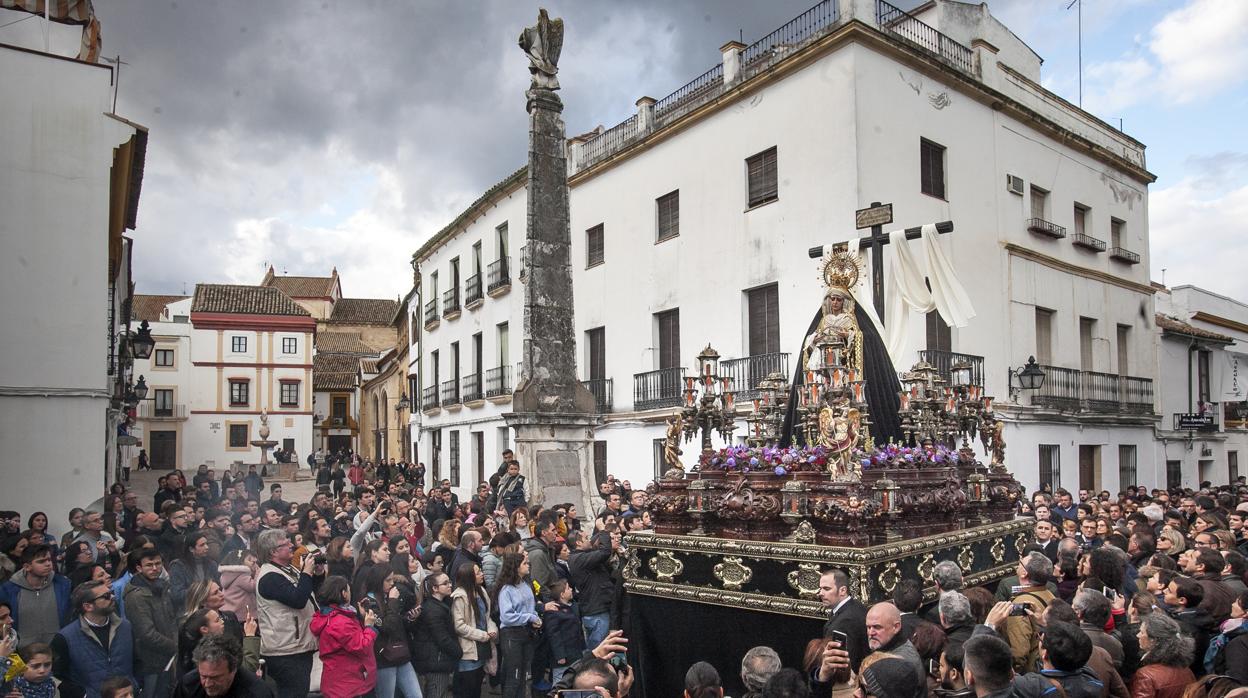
{"x":880,"y":391}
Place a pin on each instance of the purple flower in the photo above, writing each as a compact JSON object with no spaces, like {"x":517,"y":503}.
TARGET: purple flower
{"x":780,"y":470}
{"x":754,"y":462}
{"x":866,"y":463}
{"x":731,"y":462}
{"x":787,"y":459}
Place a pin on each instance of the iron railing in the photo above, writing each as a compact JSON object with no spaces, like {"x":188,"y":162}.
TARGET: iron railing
{"x":1137,"y":394}
{"x":149,"y":410}
{"x":1089,"y":242}
{"x":1100,"y":391}
{"x":689,"y":95}
{"x":498,"y":381}
{"x":472,"y":289}
{"x":660,"y":388}
{"x":472,"y":387}
{"x":747,"y":372}
{"x":944,"y":362}
{"x":1043,"y":227}
{"x":795,"y":33}
{"x":450,"y":392}
{"x":601,"y":389}
{"x":450,"y":301}
{"x":900,"y":23}
{"x":1060,"y":389}
{"x":431,"y":311}
{"x":609,"y":142}
{"x":429,"y":398}
{"x":498,"y":274}
{"x":1122,"y":254}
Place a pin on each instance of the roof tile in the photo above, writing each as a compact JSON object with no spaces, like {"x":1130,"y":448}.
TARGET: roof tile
{"x":247,"y":300}
{"x":303,"y":286}
{"x":363,"y":311}
{"x":150,"y":308}
{"x":343,"y":343}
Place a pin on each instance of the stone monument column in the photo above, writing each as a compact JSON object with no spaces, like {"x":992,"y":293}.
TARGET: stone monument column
{"x":553,"y":415}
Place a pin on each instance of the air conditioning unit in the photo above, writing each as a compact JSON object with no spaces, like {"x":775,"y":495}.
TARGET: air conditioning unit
{"x":1014,"y":184}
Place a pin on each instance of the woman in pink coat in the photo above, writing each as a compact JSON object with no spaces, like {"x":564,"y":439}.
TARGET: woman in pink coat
{"x":238,"y":582}
{"x":346,"y":642}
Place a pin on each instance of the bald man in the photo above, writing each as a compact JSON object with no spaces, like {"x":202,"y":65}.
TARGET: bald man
{"x":884,"y":636}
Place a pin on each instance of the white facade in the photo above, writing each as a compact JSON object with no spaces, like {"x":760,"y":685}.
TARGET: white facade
{"x":69,"y":178}
{"x":846,"y":113}
{"x":1203,"y":366}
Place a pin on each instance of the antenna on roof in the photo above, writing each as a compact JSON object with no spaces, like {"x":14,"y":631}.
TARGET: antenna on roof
{"x":184,"y":289}
{"x":1078,"y":4}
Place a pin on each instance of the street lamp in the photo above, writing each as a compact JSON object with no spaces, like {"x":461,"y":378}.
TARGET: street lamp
{"x":140,"y":388}
{"x":141,"y":342}
{"x":1030,"y":377}
{"x":403,"y":404}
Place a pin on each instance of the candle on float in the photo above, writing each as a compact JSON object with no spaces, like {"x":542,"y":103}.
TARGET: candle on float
{"x":858,"y":392}
{"x":988,"y":404}
{"x":728,"y":396}
{"x":706,"y":369}
{"x":914,"y":392}
{"x":757,"y":404}
{"x":853,"y":375}
{"x":949,"y":405}
{"x":708,"y":381}
{"x":905,"y":400}
{"x":810,"y":376}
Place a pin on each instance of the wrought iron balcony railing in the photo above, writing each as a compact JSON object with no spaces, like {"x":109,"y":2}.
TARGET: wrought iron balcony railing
{"x":1093,"y":391}
{"x":450,"y":392}
{"x":1088,"y":242}
{"x":1122,"y":254}
{"x":472,"y":289}
{"x":660,"y":388}
{"x":472,"y":387}
{"x":450,"y":301}
{"x":431,"y":312}
{"x":900,"y":23}
{"x":498,"y":275}
{"x":1040,"y":226}
{"x":602,"y":389}
{"x":944,"y":361}
{"x":498,"y":381}
{"x":747,"y":372}
{"x":429,"y":398}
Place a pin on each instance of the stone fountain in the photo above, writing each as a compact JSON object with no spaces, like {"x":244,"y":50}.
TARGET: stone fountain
{"x":264,"y":443}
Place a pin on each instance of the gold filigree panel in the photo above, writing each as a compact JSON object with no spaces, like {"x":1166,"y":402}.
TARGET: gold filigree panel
{"x":805,"y":580}
{"x":733,"y":573}
{"x":665,"y":566}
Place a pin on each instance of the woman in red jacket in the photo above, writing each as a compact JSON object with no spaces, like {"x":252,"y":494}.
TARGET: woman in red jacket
{"x":1163,"y":671}
{"x":346,"y":642}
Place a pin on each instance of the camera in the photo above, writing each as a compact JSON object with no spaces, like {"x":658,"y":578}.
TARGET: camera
{"x":319,"y":559}
{"x":1019,"y":609}
{"x":368,"y":603}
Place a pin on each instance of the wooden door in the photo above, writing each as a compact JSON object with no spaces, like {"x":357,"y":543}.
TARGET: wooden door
{"x":163,"y":449}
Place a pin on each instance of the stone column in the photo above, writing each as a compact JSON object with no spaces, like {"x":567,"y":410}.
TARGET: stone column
{"x":553,"y":414}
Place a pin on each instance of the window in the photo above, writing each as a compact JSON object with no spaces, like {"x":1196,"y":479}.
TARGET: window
{"x":239,"y":434}
{"x":600,"y":461}
{"x":1124,"y":349}
{"x":1039,"y":202}
{"x":596,"y":346}
{"x":433,"y":369}
{"x":1232,"y":466}
{"x":1202,"y":375}
{"x":240,"y":393}
{"x":594,"y":246}
{"x":238,"y":344}
{"x":500,"y":240}
{"x":503,"y":349}
{"x":668,"y":326}
{"x":761,"y":175}
{"x":939,"y":336}
{"x":164,"y":358}
{"x":764,"y":319}
{"x":454,"y":458}
{"x":931,"y":168}
{"x":433,"y":286}
{"x":1081,"y":219}
{"x":290,"y":393}
{"x":1089,"y":467}
{"x":1087,"y":329}
{"x":1050,"y":466}
{"x":669,"y":216}
{"x":435,"y":453}
{"x":1126,"y":467}
{"x":338,"y":408}
{"x":1115,"y":232}
{"x":290,"y":345}
{"x":163,"y":405}
{"x":1174,"y":474}
{"x":1044,"y":336}
{"x":658,"y":458}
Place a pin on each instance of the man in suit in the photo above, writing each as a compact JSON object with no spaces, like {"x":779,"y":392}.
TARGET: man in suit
{"x":846,"y":614}
{"x":1044,"y":539}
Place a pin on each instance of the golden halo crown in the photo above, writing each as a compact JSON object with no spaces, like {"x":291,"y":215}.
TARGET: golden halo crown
{"x":841,"y":270}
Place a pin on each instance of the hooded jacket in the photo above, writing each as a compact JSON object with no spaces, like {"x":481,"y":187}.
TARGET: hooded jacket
{"x":1201,"y":627}
{"x":12,"y":590}
{"x":346,"y":651}
{"x":1081,"y":683}
{"x":591,"y":577}
{"x":149,"y":608}
{"x":239,"y":588}
{"x":541,"y":568}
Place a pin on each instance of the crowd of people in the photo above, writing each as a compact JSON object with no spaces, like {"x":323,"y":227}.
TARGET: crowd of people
{"x":223,"y":588}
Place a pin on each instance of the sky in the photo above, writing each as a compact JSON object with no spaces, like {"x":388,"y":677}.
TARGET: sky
{"x":315,"y":134}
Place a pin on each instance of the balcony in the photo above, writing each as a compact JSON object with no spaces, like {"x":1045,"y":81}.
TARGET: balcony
{"x":944,"y":361}
{"x":472,"y":388}
{"x":429,"y":398}
{"x":472,"y":292}
{"x":1091,"y":391}
{"x":450,"y":393}
{"x":150,"y":410}
{"x":655,"y":389}
{"x":902,"y":24}
{"x":450,"y":303}
{"x":431,"y":314}
{"x":498,"y":277}
{"x":601,"y":389}
{"x":1122,"y":254}
{"x":498,"y":381}
{"x":746,"y":373}
{"x":1039,"y":226}
{"x":1088,"y":242}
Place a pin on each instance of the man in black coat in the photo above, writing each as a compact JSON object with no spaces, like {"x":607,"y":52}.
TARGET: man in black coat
{"x":590,"y":567}
{"x":847,"y":615}
{"x":217,"y":672}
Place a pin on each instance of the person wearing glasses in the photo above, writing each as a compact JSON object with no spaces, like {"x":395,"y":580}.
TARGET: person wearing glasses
{"x":284,"y":600}
{"x":96,"y":645}
{"x":435,"y":646}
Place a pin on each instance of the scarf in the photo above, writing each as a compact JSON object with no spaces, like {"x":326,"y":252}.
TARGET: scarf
{"x":43,"y":689}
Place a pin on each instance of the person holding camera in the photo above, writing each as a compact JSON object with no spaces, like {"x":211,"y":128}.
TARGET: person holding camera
{"x":346,"y":641}
{"x":285,"y":604}
{"x":1029,"y":598}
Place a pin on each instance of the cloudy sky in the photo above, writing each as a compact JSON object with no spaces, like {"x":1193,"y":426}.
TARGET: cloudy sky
{"x":318,"y":133}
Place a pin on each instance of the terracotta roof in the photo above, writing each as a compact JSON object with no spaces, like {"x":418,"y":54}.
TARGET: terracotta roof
{"x":303,"y":286}
{"x":335,"y":363}
{"x":343,"y":343}
{"x":368,"y":365}
{"x":363,"y":311}
{"x":333,"y":381}
{"x":1177,"y":326}
{"x":515,"y":180}
{"x":248,"y":300}
{"x":150,"y":307}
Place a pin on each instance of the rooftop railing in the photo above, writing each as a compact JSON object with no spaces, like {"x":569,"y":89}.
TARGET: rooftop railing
{"x":898,"y":22}
{"x":809,"y":25}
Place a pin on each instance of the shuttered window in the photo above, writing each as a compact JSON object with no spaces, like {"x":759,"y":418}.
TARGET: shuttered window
{"x":764,"y":314}
{"x":932,"y":168}
{"x":669,"y":338}
{"x":669,"y":216}
{"x":761,"y":172}
{"x":600,"y":461}
{"x":597,"y":341}
{"x":594,"y":245}
{"x":939,"y":337}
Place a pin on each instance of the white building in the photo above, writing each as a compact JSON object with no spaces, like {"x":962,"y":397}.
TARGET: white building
{"x":1203,"y":368}
{"x":692,"y":219}
{"x":70,"y":175}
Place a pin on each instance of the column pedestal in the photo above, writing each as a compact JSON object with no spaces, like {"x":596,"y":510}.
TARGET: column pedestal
{"x":556,"y":454}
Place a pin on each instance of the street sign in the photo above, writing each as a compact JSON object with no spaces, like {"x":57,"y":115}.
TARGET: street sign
{"x":875,"y":215}
{"x":1193,"y":421}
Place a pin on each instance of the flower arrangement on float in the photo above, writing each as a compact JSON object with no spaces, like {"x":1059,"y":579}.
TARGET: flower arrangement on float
{"x":796,"y":459}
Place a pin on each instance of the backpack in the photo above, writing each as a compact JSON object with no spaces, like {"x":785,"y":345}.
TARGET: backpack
{"x":1033,"y":648}
{"x":1215,"y":657}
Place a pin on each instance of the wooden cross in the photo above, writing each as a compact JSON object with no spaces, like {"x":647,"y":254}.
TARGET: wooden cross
{"x":876,"y":217}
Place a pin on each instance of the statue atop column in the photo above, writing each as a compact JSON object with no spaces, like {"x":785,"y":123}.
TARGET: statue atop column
{"x":543,"y":42}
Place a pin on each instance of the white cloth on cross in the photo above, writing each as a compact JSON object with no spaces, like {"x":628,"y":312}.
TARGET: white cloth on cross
{"x":910,"y":288}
